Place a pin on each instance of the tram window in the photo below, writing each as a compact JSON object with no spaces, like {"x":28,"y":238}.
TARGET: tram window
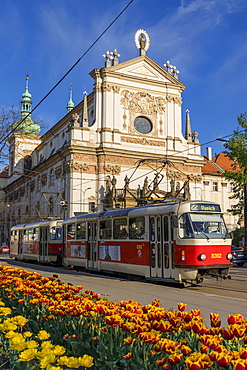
{"x":81,"y":231}
{"x":208,"y":226}
{"x":105,"y":229}
{"x":185,"y":229}
{"x":158,"y":230}
{"x":55,"y":233}
{"x":12,"y":237}
{"x":30,"y":234}
{"x":166,"y":233}
{"x":137,"y":228}
{"x":25,"y":235}
{"x":71,"y":232}
{"x":35,"y":233}
{"x":152,"y":229}
{"x":120,"y":228}
{"x":16,"y":235}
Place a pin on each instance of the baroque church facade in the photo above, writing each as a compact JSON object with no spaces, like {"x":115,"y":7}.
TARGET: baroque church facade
{"x":119,"y":146}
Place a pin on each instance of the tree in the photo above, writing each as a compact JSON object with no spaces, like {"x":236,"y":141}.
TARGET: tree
{"x":236,"y":149}
{"x":9,"y":118}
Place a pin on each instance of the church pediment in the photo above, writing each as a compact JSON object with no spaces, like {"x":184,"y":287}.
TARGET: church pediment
{"x":145,"y":67}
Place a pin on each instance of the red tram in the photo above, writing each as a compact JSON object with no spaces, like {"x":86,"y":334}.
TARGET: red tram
{"x":180,"y":241}
{"x":41,"y":242}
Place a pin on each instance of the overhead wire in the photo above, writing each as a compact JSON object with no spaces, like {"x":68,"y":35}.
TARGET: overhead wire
{"x":66,"y":74}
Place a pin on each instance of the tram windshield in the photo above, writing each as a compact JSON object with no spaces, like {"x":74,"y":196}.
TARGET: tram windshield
{"x":202,"y":226}
{"x":56,"y":233}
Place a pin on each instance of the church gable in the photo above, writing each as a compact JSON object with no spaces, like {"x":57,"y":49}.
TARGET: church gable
{"x":145,"y":67}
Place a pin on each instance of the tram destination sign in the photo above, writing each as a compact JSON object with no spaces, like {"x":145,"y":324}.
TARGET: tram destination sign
{"x":202,"y":207}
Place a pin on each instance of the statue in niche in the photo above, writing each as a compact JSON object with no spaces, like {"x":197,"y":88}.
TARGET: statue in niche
{"x":113,"y":182}
{"x":127,"y":181}
{"x":156,"y":181}
{"x":108,"y":185}
{"x":172,"y":185}
{"x":145,"y":185}
{"x":186,"y":190}
{"x":177,"y":187}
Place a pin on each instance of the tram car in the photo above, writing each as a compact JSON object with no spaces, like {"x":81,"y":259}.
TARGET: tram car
{"x":40,"y":242}
{"x":179,"y":241}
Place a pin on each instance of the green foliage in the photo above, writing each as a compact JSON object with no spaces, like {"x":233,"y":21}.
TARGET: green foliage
{"x":236,"y":149}
{"x":238,"y":235}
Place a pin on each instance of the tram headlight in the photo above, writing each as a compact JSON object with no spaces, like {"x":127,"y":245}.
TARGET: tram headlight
{"x":202,"y":257}
{"x":229,"y":256}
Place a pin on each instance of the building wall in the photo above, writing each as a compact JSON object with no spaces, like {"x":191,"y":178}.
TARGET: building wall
{"x":93,"y":157}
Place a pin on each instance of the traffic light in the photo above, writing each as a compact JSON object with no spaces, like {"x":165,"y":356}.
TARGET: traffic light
{"x":92,"y":206}
{"x":64,"y":205}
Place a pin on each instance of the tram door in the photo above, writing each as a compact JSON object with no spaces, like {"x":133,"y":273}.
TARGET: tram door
{"x":167,"y":246}
{"x":92,"y":244}
{"x":161,"y":246}
{"x":20,"y":242}
{"x":156,"y":256}
{"x":43,"y":250}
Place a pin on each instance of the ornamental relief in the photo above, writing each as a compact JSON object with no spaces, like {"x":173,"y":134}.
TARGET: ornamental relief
{"x":142,"y":141}
{"x":58,"y":172}
{"x":114,"y":170}
{"x":142,"y":103}
{"x":71,"y":166}
{"x":43,"y":179}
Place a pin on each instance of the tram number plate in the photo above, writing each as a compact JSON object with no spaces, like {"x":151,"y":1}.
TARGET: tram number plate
{"x":216,"y":255}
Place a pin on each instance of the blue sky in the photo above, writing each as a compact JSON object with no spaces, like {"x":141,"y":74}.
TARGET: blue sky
{"x":205,"y":39}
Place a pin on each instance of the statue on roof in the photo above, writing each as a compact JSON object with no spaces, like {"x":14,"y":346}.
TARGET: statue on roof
{"x":142,"y":41}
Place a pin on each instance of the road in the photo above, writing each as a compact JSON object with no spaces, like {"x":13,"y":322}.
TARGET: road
{"x":223,"y":296}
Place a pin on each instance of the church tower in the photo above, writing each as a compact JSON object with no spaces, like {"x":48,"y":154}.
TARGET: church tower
{"x":24,"y":139}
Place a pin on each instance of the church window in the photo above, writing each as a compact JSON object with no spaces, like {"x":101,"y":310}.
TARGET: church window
{"x":28,"y":189}
{"x":52,"y":177}
{"x":27,"y":164}
{"x":143,"y":125}
{"x":215,"y":186}
{"x":38,"y":183}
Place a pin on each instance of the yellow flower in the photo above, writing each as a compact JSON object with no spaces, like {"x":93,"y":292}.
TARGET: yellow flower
{"x":28,"y":354}
{"x":27,"y":334}
{"x":8,"y":326}
{"x":71,"y":362}
{"x":19,"y":320}
{"x":44,"y":353}
{"x":18,"y":343}
{"x":86,"y":361}
{"x":10,"y":334}
{"x":59,"y":350}
{"x":4,"y":311}
{"x":32,"y":344}
{"x":42,"y":335}
{"x":50,"y":367}
{"x":48,"y":344}
{"x":47,"y":360}
{"x":62,"y":360}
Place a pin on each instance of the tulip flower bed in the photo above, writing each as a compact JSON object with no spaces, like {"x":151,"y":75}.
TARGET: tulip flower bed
{"x":46,"y":324}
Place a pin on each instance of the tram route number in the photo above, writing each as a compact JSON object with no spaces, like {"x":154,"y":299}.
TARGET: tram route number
{"x":216,"y":255}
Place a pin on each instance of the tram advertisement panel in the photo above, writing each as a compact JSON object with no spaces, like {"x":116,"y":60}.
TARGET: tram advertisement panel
{"x":109,"y":252}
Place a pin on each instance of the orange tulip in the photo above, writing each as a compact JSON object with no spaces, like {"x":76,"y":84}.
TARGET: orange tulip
{"x":182,"y":306}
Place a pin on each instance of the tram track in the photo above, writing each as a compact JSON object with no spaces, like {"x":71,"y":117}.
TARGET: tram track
{"x":236,"y":287}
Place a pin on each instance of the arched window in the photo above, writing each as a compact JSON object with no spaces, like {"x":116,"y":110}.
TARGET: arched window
{"x":27,"y":164}
{"x":38,"y":183}
{"x":51,"y":177}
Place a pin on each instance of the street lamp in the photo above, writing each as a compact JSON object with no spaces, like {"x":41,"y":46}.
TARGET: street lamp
{"x":84,"y":197}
